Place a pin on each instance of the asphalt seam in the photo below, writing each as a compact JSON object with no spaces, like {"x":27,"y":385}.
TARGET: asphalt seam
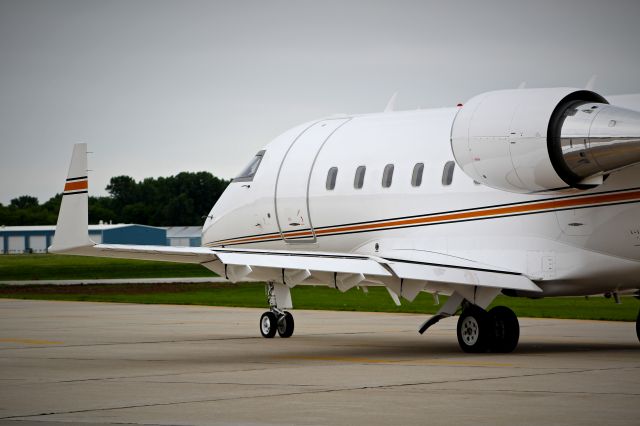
{"x":151,"y":342}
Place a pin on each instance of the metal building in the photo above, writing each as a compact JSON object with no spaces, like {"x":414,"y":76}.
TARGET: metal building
{"x":186,"y":236}
{"x":36,"y":239}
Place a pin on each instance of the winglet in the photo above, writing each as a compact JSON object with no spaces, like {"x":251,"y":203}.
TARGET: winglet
{"x":73,"y":218}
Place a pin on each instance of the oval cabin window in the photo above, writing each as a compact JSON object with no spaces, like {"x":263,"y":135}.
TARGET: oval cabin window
{"x":416,"y":176}
{"x":447,"y":173}
{"x":331,"y":178}
{"x":358,"y":181}
{"x":387,"y":176}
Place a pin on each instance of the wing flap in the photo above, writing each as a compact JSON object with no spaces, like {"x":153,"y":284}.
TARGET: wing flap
{"x":464,"y":276}
{"x":441,"y":268}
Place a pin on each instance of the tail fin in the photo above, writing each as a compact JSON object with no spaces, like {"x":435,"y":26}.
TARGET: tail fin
{"x":73,"y":218}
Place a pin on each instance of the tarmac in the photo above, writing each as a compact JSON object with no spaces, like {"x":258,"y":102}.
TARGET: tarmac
{"x":99,"y":363}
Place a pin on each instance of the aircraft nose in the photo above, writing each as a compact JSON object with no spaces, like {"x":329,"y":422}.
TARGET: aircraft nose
{"x":599,"y":138}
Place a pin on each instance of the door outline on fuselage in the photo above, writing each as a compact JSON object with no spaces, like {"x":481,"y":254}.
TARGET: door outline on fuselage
{"x":313,"y":239}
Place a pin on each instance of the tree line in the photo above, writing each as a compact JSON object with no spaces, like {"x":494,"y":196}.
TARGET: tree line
{"x":183,"y":199}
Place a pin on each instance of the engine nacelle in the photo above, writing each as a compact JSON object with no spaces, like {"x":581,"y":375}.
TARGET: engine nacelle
{"x":533,"y":140}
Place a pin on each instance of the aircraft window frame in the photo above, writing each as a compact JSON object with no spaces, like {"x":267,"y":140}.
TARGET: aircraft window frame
{"x":387,"y":175}
{"x":358,"y":180}
{"x":250,"y":170}
{"x":447,"y":172}
{"x":416,"y":175}
{"x":332,"y":176}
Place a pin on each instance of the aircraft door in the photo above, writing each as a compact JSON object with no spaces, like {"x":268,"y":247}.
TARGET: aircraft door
{"x":292,"y":184}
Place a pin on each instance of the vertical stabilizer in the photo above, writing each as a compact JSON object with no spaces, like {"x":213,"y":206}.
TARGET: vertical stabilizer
{"x":73,"y":218}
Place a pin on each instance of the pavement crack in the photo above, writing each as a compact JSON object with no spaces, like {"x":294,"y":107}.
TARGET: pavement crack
{"x":224,"y":383}
{"x":312,"y":392}
{"x":552,"y":392}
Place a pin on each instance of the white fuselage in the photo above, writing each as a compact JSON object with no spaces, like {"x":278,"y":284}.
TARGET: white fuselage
{"x":569,"y":242}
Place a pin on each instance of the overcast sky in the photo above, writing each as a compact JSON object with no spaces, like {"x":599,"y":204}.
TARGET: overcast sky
{"x":160,"y":87}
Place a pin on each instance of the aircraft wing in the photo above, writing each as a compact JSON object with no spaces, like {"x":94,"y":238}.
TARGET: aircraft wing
{"x":290,"y":267}
{"x":433,"y":270}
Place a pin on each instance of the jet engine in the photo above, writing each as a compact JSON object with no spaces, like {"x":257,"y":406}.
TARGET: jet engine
{"x":537,"y":140}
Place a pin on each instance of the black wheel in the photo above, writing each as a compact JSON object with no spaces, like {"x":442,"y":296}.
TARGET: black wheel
{"x":268,"y":324}
{"x":474,"y":330}
{"x":506,"y":329}
{"x":638,"y":326}
{"x":285,"y":325}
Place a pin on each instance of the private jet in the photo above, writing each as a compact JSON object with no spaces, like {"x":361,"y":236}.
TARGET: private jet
{"x":525,"y":192}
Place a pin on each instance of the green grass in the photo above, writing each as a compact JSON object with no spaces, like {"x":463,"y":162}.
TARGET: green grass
{"x":40,"y":267}
{"x":59,"y":267}
{"x":377,"y":300}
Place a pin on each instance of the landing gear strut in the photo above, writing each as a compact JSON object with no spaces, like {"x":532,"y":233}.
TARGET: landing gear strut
{"x":480,"y":331}
{"x":275,"y":320}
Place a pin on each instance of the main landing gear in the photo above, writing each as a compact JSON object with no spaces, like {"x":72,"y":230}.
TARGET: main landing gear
{"x":480,"y":331}
{"x":276,"y":320}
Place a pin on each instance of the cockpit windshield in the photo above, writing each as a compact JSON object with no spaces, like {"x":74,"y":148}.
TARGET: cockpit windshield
{"x":249,"y":172}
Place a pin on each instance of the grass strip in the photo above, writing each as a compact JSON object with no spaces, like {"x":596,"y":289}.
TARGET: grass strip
{"x":60,"y":267}
{"x":304,"y":297}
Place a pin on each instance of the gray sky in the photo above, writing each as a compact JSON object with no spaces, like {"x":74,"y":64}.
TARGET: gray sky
{"x":159,"y":87}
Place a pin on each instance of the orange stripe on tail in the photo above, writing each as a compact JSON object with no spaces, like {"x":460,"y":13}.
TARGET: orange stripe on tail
{"x":76,"y":186}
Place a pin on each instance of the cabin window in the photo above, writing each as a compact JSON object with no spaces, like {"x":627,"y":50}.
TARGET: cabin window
{"x":249,"y":172}
{"x":447,"y":173}
{"x":416,"y":176}
{"x":331,"y":178}
{"x":358,"y":181}
{"x":387,"y":176}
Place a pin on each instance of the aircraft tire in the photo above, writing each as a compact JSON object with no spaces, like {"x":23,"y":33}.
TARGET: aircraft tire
{"x":285,"y":325}
{"x":506,"y":329}
{"x":474,"y":330}
{"x":268,"y":325}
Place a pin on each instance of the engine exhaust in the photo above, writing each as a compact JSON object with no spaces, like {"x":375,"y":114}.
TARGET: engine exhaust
{"x":588,"y":140}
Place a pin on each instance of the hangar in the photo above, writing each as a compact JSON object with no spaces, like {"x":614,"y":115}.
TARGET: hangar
{"x":36,"y":239}
{"x":185,"y":236}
